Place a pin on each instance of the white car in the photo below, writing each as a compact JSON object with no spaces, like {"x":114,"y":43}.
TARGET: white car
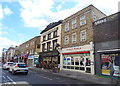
{"x":18,"y":68}
{"x":7,"y":65}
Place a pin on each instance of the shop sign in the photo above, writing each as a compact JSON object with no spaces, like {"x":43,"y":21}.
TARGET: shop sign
{"x":49,"y":54}
{"x":77,"y":48}
{"x":30,"y":57}
{"x":100,"y":21}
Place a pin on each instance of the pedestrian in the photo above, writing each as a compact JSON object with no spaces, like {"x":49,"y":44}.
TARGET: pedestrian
{"x":110,"y":66}
{"x":58,"y":68}
{"x":42,"y":63}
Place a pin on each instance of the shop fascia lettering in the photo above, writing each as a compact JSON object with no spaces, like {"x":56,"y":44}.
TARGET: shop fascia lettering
{"x":78,"y":48}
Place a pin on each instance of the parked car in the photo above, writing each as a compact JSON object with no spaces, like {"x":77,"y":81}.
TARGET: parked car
{"x":18,"y":68}
{"x":7,"y":65}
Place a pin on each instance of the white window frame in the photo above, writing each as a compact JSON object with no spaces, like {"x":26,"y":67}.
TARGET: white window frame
{"x":67,"y":26}
{"x":74,"y":37}
{"x":82,"y":20}
{"x":83,"y":35}
{"x":66,"y":42}
{"x":94,"y":16}
{"x":74,"y":25}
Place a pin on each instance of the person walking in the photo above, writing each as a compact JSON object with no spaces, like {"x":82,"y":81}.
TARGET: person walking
{"x":110,"y":66}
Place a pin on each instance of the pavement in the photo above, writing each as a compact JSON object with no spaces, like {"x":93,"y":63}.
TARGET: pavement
{"x":93,"y":79}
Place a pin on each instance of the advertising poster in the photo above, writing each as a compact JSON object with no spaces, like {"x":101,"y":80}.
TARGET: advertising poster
{"x":105,"y":62}
{"x":36,"y":59}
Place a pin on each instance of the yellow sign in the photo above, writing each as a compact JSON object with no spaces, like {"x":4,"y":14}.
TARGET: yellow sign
{"x":104,"y":71}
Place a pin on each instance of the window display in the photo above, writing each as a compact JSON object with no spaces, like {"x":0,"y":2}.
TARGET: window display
{"x":77,"y":62}
{"x":105,"y":62}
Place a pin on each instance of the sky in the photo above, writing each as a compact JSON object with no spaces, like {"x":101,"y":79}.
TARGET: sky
{"x":21,"y":20}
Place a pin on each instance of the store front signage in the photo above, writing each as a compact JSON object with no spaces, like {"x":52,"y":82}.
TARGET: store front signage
{"x":30,"y":57}
{"x":77,"y":48}
{"x":73,"y":49}
{"x":51,"y":53}
{"x":100,"y":21}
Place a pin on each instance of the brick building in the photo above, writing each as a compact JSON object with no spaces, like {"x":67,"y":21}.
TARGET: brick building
{"x":77,"y":40}
{"x":29,"y":51}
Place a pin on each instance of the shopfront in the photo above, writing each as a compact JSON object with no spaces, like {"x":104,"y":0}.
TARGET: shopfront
{"x":50,"y":57}
{"x":30,"y":61}
{"x":105,"y":57}
{"x":79,"y":58}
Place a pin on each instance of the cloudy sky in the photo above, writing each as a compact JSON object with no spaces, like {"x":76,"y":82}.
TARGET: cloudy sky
{"x":21,"y":20}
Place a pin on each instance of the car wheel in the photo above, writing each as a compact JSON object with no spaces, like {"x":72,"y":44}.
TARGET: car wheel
{"x":13,"y":73}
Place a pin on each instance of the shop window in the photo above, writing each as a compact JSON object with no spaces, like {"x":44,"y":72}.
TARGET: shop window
{"x":64,"y":66}
{"x":87,"y":61}
{"x":72,"y":67}
{"x":88,"y":70}
{"x":76,"y":61}
{"x":82,"y":61}
{"x":72,"y":61}
{"x":82,"y":68}
{"x":105,"y":62}
{"x":68,"y":67}
{"x":77,"y":68}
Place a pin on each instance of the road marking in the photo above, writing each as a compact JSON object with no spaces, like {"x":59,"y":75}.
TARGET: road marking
{"x":46,"y":78}
{"x":11,"y":79}
{"x":8,"y":83}
{"x":4,"y":77}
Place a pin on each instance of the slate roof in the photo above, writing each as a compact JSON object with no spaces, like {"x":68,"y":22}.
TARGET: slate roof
{"x":51,"y":25}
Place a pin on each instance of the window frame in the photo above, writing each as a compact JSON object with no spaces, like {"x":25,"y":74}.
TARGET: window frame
{"x":74,"y":23}
{"x":83,"y":20}
{"x":75,"y":39}
{"x":66,"y":26}
{"x":83,"y":38}
{"x":66,"y":42}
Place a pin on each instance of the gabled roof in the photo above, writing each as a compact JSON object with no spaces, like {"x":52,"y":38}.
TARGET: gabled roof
{"x":51,"y":25}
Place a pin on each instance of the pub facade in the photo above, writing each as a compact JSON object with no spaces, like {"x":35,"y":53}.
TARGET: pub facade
{"x":50,"y":39}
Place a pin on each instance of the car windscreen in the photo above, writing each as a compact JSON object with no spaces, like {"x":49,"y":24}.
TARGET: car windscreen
{"x":21,"y":65}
